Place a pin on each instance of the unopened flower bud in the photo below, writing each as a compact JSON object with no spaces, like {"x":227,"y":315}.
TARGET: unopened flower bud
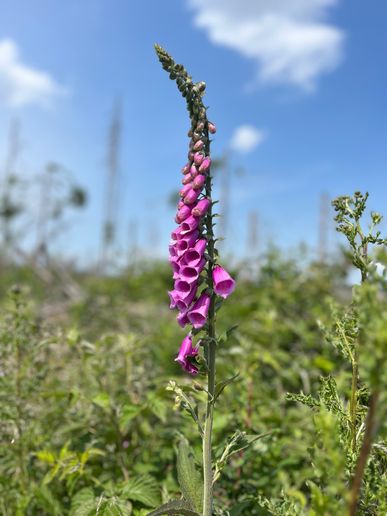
{"x":201,"y":208}
{"x":198,"y":158}
{"x":191,"y":196}
{"x":186,"y":168}
{"x":198,"y":145}
{"x":183,"y":213}
{"x":211,"y":128}
{"x":185,"y":190}
{"x":187,"y":179}
{"x":198,"y":182}
{"x":205,"y":165}
{"x":193,"y":171}
{"x":200,"y":127}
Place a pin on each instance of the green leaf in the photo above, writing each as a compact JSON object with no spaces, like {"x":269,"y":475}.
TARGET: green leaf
{"x":142,"y":489}
{"x":189,"y":478}
{"x":226,"y":335}
{"x":219,"y":388}
{"x":102,"y":400}
{"x":128,"y":413}
{"x":176,"y":508}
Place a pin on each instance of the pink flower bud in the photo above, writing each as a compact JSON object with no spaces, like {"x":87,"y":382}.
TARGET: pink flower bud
{"x":185,"y":190}
{"x":198,"y":182}
{"x":205,"y":165}
{"x":191,"y":196}
{"x":201,"y":208}
{"x":193,"y":171}
{"x":180,"y":204}
{"x":198,"y":145}
{"x":198,"y":158}
{"x":182,"y":214}
{"x":186,"y":168}
{"x":211,"y":128}
{"x":190,"y":156}
{"x":200,"y":127}
{"x":223,"y":282}
{"x":198,"y":313}
{"x":187,"y":179}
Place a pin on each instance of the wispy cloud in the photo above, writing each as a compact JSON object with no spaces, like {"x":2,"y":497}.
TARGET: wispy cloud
{"x":21,"y":84}
{"x":246,"y":137}
{"x":289,"y":40}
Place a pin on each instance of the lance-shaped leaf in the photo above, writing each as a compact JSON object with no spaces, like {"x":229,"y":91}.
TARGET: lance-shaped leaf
{"x":219,"y":388}
{"x":188,"y":476}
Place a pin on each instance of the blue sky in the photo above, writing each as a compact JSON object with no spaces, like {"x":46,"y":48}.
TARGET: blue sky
{"x":307,"y":78}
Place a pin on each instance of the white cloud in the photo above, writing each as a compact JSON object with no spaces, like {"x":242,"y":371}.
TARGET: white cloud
{"x":21,"y":84}
{"x":246,"y":138}
{"x":289,"y":40}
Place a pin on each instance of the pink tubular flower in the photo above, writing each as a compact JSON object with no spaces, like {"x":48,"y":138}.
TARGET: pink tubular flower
{"x":184,"y":244}
{"x":183,"y":213}
{"x":198,"y":313}
{"x":190,"y":273}
{"x":198,"y":182}
{"x":193,"y":256}
{"x":182,"y":319}
{"x":201,"y":208}
{"x":198,"y":158}
{"x":183,"y":302}
{"x":189,"y":224}
{"x":174,"y":297}
{"x":187,"y":351}
{"x":191,"y":196}
{"x":205,"y":165}
{"x":223,"y":282}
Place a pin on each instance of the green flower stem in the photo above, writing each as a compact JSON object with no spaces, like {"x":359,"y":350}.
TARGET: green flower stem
{"x":211,"y":357}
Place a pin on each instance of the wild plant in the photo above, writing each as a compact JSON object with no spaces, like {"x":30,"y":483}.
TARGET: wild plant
{"x":200,"y":286}
{"x":349,"y":463}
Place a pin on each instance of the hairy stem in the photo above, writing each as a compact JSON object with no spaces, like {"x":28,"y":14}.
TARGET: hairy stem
{"x":364,"y":453}
{"x":353,"y":400}
{"x":211,"y":356}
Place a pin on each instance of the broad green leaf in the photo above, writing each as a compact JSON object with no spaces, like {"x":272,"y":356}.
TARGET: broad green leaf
{"x":189,"y":478}
{"x":174,"y":508}
{"x":102,"y":400}
{"x":142,"y":489}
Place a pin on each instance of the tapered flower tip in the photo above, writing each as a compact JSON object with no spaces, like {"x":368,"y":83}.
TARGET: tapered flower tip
{"x":186,"y":168}
{"x":185,"y":190}
{"x":187,"y":351}
{"x":224,"y":284}
{"x":198,"y":314}
{"x":193,"y":171}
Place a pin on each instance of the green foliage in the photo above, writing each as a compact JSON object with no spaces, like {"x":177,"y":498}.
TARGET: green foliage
{"x":88,"y":425}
